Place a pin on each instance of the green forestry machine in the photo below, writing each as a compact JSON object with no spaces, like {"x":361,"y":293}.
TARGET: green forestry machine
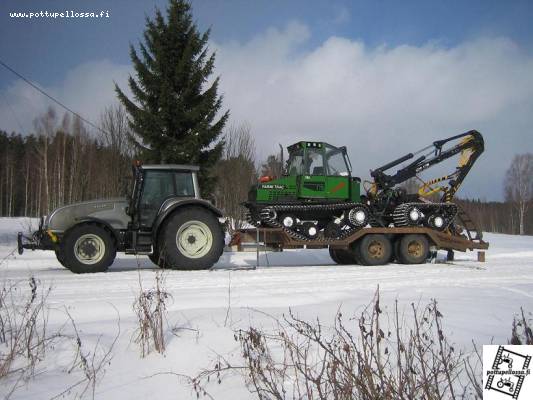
{"x":318,"y":198}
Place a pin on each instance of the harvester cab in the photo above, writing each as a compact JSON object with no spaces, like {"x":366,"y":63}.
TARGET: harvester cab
{"x":314,"y":171}
{"x":321,"y":171}
{"x":315,"y":194}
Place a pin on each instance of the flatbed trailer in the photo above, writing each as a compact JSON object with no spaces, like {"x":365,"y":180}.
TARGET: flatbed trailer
{"x":411,"y":245}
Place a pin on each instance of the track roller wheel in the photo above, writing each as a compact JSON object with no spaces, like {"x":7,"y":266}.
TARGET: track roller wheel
{"x":310,"y":230}
{"x":358,"y":216}
{"x":288,"y":221}
{"x":437,"y":221}
{"x":374,"y":249}
{"x":413,"y":215}
{"x":413,"y":249}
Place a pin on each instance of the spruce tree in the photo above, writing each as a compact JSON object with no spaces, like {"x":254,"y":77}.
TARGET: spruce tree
{"x":174,"y":110}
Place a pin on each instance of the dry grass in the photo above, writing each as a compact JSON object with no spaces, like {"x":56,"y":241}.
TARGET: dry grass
{"x":372,"y":356}
{"x":150,"y":308}
{"x":522,"y":332}
{"x":24,"y":338}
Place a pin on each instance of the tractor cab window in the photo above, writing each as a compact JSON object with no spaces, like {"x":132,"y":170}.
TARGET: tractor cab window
{"x":336,"y":162}
{"x":295,"y":164}
{"x":315,"y":162}
{"x":184,"y":184}
{"x":159,"y":185}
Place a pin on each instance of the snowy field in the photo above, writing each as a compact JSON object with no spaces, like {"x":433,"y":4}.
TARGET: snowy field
{"x":478,"y":301}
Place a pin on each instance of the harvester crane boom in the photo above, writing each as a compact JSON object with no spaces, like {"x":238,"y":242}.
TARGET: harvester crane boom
{"x":471,"y":146}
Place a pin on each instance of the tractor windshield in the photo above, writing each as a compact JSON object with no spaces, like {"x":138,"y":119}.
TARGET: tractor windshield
{"x":336,"y":162}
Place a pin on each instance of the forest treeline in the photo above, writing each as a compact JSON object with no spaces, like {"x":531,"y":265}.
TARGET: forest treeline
{"x":62,"y":162}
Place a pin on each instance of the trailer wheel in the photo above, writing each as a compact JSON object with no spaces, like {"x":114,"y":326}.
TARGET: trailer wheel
{"x":342,"y":257}
{"x":88,"y":248}
{"x":374,"y":249}
{"x":192,"y":238}
{"x":413,"y":249}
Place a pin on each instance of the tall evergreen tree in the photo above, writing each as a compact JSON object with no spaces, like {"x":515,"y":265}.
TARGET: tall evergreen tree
{"x":174,"y":108}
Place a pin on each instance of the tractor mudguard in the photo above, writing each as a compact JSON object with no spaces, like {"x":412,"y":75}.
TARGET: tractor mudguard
{"x":98,"y":221}
{"x":170,"y":205}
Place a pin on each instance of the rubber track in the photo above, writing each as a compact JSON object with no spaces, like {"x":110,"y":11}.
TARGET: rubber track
{"x":295,"y":208}
{"x":447,"y":210}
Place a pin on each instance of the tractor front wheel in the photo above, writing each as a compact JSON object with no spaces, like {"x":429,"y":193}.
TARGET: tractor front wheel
{"x":192,"y":238}
{"x":87,"y":249}
{"x":60,"y":255}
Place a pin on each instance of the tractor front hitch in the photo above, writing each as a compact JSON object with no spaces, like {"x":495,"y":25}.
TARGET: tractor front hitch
{"x":39,"y":240}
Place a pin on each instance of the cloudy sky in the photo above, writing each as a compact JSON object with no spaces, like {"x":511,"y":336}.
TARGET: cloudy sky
{"x":382,"y":77}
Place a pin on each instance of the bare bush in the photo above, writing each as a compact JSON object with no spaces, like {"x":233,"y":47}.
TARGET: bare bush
{"x":522,"y":332}
{"x":372,"y":356}
{"x":92,"y":361}
{"x":150,"y":308}
{"x":23,"y":330}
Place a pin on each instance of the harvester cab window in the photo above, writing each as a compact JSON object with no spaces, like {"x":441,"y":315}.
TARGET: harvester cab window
{"x":315,"y":162}
{"x":336,"y":162}
{"x":295,"y":164}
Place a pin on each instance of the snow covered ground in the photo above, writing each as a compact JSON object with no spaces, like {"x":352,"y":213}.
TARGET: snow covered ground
{"x":478,"y":301}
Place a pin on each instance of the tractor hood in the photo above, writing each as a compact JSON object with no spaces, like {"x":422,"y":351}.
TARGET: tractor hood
{"x":111,"y":211}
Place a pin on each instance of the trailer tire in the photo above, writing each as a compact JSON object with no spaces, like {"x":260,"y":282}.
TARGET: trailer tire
{"x":88,"y":248}
{"x":413,"y":249}
{"x":192,"y":239}
{"x":342,"y":257}
{"x":374,"y":249}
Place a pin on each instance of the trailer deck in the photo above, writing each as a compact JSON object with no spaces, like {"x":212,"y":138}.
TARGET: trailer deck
{"x":278,"y":239}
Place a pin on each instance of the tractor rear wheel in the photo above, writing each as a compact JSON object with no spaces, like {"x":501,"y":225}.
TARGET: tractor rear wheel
{"x":342,"y":257}
{"x":88,"y":248}
{"x":192,"y":238}
{"x":374,"y":249}
{"x":413,"y":249}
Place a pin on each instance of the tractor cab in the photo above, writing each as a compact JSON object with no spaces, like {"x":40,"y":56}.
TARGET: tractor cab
{"x":155,"y":184}
{"x":317,"y":158}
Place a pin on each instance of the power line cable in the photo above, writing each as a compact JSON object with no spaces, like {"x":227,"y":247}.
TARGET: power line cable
{"x":12,"y":112}
{"x":51,"y":97}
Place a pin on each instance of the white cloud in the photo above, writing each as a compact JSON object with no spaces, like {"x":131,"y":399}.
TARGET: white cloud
{"x":382,"y":102}
{"x":86,"y":89}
